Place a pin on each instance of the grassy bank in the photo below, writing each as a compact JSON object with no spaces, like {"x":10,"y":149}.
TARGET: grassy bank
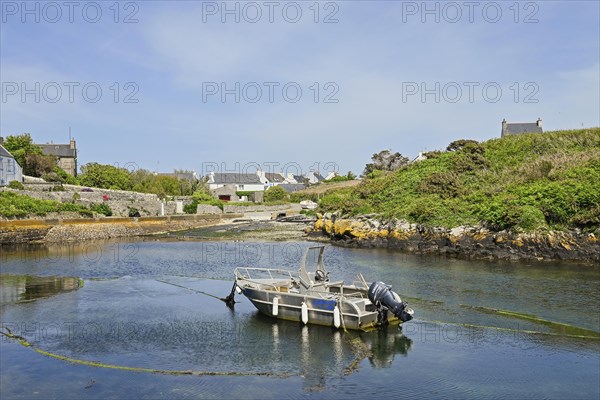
{"x":14,"y":205}
{"x":524,"y":182}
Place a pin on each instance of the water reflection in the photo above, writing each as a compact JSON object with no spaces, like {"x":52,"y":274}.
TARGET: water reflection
{"x":20,"y":288}
{"x":384,"y":344}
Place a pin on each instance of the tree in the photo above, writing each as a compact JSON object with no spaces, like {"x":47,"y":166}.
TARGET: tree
{"x":28,"y":155}
{"x":275,"y":193}
{"x":385,"y":160}
{"x":39,"y":164}
{"x":350,"y":176}
{"x":105,"y":177}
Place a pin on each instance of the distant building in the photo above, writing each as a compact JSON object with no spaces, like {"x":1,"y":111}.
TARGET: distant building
{"x":314,"y":177}
{"x":521,"y":127}
{"x":292,"y":187}
{"x":271,"y":178}
{"x":225,"y":193}
{"x":10,"y":170}
{"x":184,"y":176}
{"x":66,"y":155}
{"x":241,"y":181}
{"x":418,"y":158}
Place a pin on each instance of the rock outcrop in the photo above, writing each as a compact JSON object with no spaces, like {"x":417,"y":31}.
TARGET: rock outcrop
{"x":462,"y":241}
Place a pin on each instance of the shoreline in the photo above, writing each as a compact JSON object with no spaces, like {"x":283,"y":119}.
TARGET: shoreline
{"x":35,"y":231}
{"x":460,"y":242}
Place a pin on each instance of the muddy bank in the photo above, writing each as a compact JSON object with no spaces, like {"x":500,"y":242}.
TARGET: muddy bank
{"x":76,"y":230}
{"x":462,"y":242}
{"x":249,"y":230}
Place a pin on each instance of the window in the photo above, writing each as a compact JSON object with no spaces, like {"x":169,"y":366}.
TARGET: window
{"x":240,"y":187}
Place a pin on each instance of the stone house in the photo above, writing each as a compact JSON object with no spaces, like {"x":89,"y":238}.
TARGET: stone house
{"x":10,"y":170}
{"x":66,"y":155}
{"x":521,"y":127}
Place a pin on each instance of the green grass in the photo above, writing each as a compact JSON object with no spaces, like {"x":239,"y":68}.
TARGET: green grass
{"x":523,"y":182}
{"x":18,"y":205}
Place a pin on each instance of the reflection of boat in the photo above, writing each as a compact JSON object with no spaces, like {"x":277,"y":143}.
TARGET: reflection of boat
{"x":384,"y":345}
{"x":312,"y":298}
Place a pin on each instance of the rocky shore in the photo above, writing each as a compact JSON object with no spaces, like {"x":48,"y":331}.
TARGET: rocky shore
{"x":462,"y":242}
{"x":78,"y":230}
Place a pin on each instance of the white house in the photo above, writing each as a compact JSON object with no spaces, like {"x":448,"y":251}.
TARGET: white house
{"x":246,"y":182}
{"x":314,"y":177}
{"x":10,"y":170}
{"x":270,"y":178}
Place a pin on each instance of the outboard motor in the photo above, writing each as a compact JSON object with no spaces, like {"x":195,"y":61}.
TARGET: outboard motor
{"x":380,"y":294}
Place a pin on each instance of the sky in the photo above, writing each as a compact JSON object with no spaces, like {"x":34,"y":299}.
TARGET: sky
{"x":290,"y":86}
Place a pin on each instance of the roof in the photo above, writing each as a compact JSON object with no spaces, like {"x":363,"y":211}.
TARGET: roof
{"x":522,"y":127}
{"x":274,"y":177}
{"x":292,"y":187}
{"x":299,"y":178}
{"x":236,"y":178}
{"x":58,"y":150}
{"x":4,"y":152}
{"x":187,"y":176}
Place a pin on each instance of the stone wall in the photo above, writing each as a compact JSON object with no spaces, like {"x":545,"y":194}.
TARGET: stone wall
{"x":208,"y":209}
{"x":253,"y":208}
{"x":120,"y":201}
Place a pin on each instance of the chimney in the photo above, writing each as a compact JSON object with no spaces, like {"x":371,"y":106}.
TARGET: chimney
{"x":539,"y":122}
{"x":1,"y":140}
{"x":72,"y":144}
{"x":502,"y":133}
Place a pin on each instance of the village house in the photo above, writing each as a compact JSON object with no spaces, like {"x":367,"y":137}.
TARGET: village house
{"x":247,"y":182}
{"x":521,"y":127}
{"x":66,"y":155}
{"x":270,"y":178}
{"x":10,"y":170}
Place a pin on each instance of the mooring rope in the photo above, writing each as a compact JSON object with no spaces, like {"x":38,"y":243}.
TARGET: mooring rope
{"x":97,"y":364}
{"x":193,"y":290}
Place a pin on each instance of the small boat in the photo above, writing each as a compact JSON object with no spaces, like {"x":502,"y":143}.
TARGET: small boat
{"x":312,"y":298}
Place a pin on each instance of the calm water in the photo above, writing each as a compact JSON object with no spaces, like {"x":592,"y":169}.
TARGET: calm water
{"x":139,"y":304}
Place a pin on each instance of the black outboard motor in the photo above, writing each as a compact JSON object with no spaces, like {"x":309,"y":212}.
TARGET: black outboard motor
{"x":380,"y":294}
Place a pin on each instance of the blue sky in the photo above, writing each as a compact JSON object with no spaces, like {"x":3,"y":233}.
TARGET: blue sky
{"x":372,"y":75}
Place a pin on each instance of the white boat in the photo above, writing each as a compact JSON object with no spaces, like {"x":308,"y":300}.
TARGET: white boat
{"x":312,"y":298}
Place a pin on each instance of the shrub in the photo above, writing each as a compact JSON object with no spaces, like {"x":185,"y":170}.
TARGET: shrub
{"x":275,"y":193}
{"x":338,"y":178}
{"x":101,"y":209}
{"x":16,"y":185}
{"x":445,"y":184}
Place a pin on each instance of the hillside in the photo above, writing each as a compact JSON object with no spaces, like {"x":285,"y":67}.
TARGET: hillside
{"x":523,"y":183}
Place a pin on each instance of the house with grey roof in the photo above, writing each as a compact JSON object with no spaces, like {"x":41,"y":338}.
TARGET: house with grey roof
{"x":314,"y":177}
{"x":184,"y":176}
{"x":293,"y":187}
{"x":66,"y":155}
{"x":519,"y":128}
{"x":10,"y":170}
{"x":241,"y":181}
{"x":271,"y":178}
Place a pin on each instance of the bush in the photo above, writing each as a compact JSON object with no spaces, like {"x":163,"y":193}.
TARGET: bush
{"x":338,"y":178}
{"x":16,"y":185}
{"x":275,"y":193}
{"x":444,"y":184}
{"x":101,"y":209}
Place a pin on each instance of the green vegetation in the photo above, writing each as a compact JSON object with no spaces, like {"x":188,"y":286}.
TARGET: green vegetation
{"x":17,"y":205}
{"x":522,"y":182}
{"x":16,"y":185}
{"x":275,"y":193}
{"x":201,"y":197}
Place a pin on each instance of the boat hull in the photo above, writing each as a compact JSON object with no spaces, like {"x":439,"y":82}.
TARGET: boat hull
{"x":320,"y":311}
